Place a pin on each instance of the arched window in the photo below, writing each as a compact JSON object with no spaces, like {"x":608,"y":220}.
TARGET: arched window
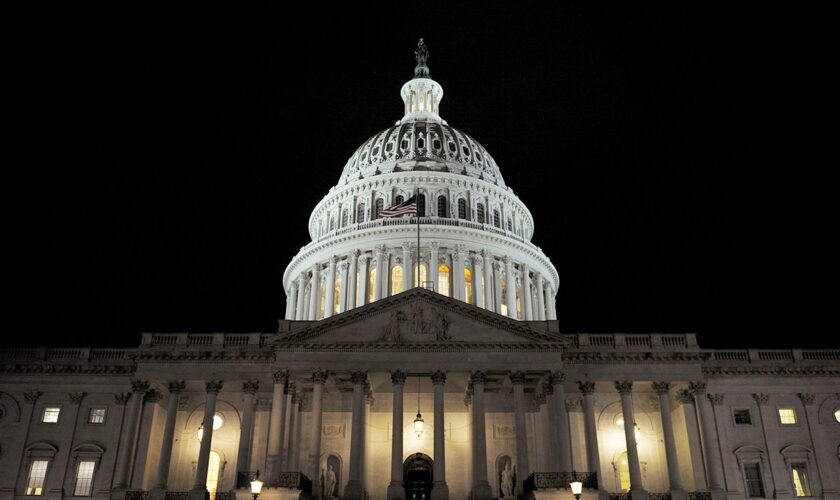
{"x":441,"y":206}
{"x":422,"y":281}
{"x":322,"y":303}
{"x":468,"y":285}
{"x":336,"y":296}
{"x":496,"y":220}
{"x":519,"y":308}
{"x":396,"y":280}
{"x":421,"y":205}
{"x":213,"y":469}
{"x":360,"y":214}
{"x":509,"y":226}
{"x":462,"y":209}
{"x":380,"y":204}
{"x":623,"y":472}
{"x":503,"y":287}
{"x":371,"y":283}
{"x":399,"y":199}
{"x":443,"y":280}
{"x":480,"y":213}
{"x":344,"y":217}
{"x":332,"y":223}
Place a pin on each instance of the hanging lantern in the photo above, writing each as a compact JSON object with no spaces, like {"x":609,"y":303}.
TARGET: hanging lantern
{"x":418,"y":425}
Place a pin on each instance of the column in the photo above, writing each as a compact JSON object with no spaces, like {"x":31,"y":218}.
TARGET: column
{"x":677,"y":491}
{"x":693,"y":432}
{"x":384,"y":276}
{"x":314,"y":293}
{"x":522,"y":468}
{"x":351,"y":279}
{"x":199,"y":489}
{"x":552,"y":312}
{"x":434,"y":262}
{"x":811,"y":412}
{"x":565,"y":447}
{"x":342,"y":290}
{"x":497,"y":284}
{"x":625,"y":390}
{"x":458,"y":274}
{"x":319,"y":377}
{"x":540,"y":298}
{"x":299,"y":305}
{"x":291,"y":300}
{"x":294,"y":451}
{"x":243,"y":457}
{"x":329,"y":296}
{"x":487,"y":265}
{"x":440,"y":490}
{"x":527,"y":307}
{"x":593,"y":459}
{"x":353,"y":490}
{"x":408,"y":269}
{"x":363,"y":281}
{"x":477,"y":291}
{"x":711,"y":449}
{"x":554,"y":457}
{"x":481,"y":487}
{"x":294,"y":423}
{"x":175,"y":389}
{"x":510,"y":293}
{"x":275,"y":426}
{"x":396,"y":490}
{"x":126,"y":451}
{"x":379,"y":254}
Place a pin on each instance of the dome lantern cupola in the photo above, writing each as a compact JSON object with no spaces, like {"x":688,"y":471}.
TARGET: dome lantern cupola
{"x":421,"y":95}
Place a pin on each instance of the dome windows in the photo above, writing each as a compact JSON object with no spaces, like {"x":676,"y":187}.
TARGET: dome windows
{"x":375,"y":151}
{"x":421,"y":143}
{"x":452,"y":148}
{"x":378,"y":207}
{"x":436,"y":144}
{"x":465,"y":150}
{"x":360,"y":213}
{"x":480,"y":213}
{"x":389,"y":147}
{"x":441,"y":206}
{"x":462,"y":209}
{"x":496,"y":219}
{"x":421,"y":205}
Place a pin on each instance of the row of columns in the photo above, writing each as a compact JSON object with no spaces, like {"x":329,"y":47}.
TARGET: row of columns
{"x":534,"y":307}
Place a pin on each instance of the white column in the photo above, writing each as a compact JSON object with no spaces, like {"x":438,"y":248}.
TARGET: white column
{"x":695,"y":450}
{"x":477,"y":291}
{"x":165,"y":459}
{"x":291,"y":301}
{"x":329,"y":296}
{"x":625,"y":389}
{"x":384,"y":277}
{"x":363,"y":281}
{"x":711,"y":449}
{"x":552,"y":312}
{"x":396,"y":490}
{"x":408,"y":270}
{"x":440,"y":490}
{"x":522,"y":468}
{"x":132,"y":411}
{"x":526,"y":292}
{"x":243,"y":456}
{"x":434,"y":262}
{"x":379,"y":254}
{"x":342,"y":291}
{"x":353,"y":490}
{"x":662,"y":389}
{"x":314,"y":293}
{"x":593,"y":459}
{"x":481,"y":487}
{"x":351,"y":279}
{"x":497,"y":284}
{"x":510,"y":281}
{"x":199,"y":489}
{"x":540,"y":297}
{"x":319,"y":377}
{"x":299,"y":305}
{"x":293,"y":463}
{"x":562,"y":420}
{"x":458,"y":274}
{"x":275,"y":426}
{"x":487,"y":266}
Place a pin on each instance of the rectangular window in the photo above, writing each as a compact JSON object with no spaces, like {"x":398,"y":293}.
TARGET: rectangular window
{"x":755,"y":486}
{"x":51,"y":415}
{"x":37,"y":473}
{"x":801,"y":485}
{"x":742,"y":417}
{"x":84,"y":478}
{"x":787,"y":416}
{"x":96,"y":416}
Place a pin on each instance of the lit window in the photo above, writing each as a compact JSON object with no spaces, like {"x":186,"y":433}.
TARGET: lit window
{"x":742,"y":417}
{"x":51,"y":415}
{"x":396,"y":280}
{"x":96,"y":416}
{"x":218,"y":422}
{"x":468,"y":286}
{"x":787,"y":416}
{"x":337,"y":296}
{"x":84,"y":478}
{"x":799,"y":473}
{"x":37,"y":473}
{"x":443,"y":280}
{"x":623,"y":472}
{"x":213,"y":472}
{"x":752,"y":475}
{"x":837,"y":415}
{"x":371,"y":284}
{"x":422,"y":280}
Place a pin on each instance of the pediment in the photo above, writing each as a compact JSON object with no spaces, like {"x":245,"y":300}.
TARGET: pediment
{"x":418,"y":316}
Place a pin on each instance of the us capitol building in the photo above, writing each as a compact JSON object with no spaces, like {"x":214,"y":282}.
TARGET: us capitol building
{"x":417,"y":372}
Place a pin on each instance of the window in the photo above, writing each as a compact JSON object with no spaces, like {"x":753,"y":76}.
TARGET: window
{"x":337,"y":296}
{"x":837,"y":415}
{"x":213,"y":472}
{"x":799,"y":474}
{"x":84,"y":478}
{"x":496,"y":221}
{"x":396,"y":280}
{"x":344,"y":217}
{"x":37,"y":474}
{"x":360,"y":213}
{"x":480,"y":213}
{"x":503,"y":297}
{"x":380,"y":204}
{"x":421,"y":205}
{"x":51,"y":415}
{"x":422,"y":281}
{"x":399,"y":199}
{"x":443,"y":280}
{"x":462,"y":209}
{"x":96,"y":416}
{"x":752,"y":476}
{"x":623,"y":472}
{"x":441,"y":206}
{"x":787,"y":416}
{"x":371,"y":284}
{"x":742,"y":417}
{"x":332,"y":223}
{"x":468,"y":286}
{"x":509,"y":226}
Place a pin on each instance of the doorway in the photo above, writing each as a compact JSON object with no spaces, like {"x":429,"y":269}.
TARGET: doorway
{"x":417,"y":477}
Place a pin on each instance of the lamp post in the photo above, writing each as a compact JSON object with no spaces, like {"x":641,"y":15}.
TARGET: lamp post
{"x":256,"y":486}
{"x":577,"y":488}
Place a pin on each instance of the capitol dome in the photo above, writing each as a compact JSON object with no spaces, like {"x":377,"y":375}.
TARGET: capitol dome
{"x":474,"y":232}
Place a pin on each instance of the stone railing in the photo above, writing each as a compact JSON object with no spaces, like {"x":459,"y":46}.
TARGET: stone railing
{"x":75,"y":354}
{"x":637,"y":342}
{"x":561,"y":480}
{"x":295,"y":481}
{"x":203,"y":340}
{"x":136,"y":495}
{"x":659,"y":496}
{"x":699,"y":495}
{"x":177,"y":495}
{"x":765,"y":356}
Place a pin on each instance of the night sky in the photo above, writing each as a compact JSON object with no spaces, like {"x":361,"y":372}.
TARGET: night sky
{"x":171,"y":160}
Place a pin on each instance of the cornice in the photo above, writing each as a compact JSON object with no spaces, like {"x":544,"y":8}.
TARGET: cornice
{"x":225,"y":354}
{"x":39,"y":367}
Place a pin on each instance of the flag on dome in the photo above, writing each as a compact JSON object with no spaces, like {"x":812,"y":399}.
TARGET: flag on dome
{"x":408,"y":207}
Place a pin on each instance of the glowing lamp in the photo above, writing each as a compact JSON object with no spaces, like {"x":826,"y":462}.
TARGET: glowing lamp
{"x":637,"y":432}
{"x":577,"y":489}
{"x":200,"y":432}
{"x":418,"y":425}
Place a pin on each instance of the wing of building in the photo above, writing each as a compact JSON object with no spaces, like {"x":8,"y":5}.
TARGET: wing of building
{"x":417,"y":372}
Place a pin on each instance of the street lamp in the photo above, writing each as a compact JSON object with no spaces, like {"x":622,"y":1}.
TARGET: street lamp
{"x":256,"y":486}
{"x":418,"y":421}
{"x":577,"y":488}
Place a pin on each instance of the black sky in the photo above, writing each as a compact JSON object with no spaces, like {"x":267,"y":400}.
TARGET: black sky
{"x":171,"y":160}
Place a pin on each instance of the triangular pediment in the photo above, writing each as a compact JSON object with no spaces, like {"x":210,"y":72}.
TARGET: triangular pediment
{"x":418,"y":316}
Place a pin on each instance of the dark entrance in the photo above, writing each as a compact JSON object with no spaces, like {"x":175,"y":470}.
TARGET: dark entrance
{"x":417,"y":476}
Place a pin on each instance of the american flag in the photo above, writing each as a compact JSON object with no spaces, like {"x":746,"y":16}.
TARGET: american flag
{"x":408,"y":207}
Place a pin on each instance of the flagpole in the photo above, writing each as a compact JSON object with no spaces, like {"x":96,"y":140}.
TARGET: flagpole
{"x":417,"y":214}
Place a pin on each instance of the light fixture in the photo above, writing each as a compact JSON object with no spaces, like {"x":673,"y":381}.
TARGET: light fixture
{"x":256,"y":485}
{"x":200,"y":431}
{"x":577,"y":487}
{"x":418,"y":421}
{"x":637,"y":433}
